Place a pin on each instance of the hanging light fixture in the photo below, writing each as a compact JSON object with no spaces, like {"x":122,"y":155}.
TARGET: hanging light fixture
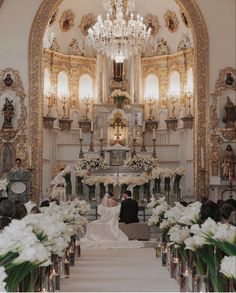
{"x":119,"y":36}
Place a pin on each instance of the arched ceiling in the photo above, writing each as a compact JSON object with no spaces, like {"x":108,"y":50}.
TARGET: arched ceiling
{"x":83,"y":7}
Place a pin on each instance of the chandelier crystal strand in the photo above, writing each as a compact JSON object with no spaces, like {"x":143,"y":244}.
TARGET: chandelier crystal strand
{"x":117,"y":37}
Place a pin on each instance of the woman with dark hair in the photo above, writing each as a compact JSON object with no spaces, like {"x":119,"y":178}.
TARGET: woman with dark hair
{"x":7,"y":211}
{"x":209,"y":210}
{"x":225,"y":211}
{"x":45,"y":203}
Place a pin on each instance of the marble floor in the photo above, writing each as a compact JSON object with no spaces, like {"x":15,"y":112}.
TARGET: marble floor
{"x":119,"y":270}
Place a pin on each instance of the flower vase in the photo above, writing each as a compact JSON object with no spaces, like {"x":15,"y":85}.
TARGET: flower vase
{"x":136,"y":193}
{"x":158,"y":185}
{"x":164,"y":254}
{"x":174,"y":264}
{"x":167,"y":188}
{"x":231,"y":285}
{"x":184,"y":275}
{"x":200,"y":283}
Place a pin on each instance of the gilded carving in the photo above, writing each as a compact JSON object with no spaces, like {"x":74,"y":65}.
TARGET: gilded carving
{"x":152,"y":23}
{"x":86,"y":23}
{"x":171,"y":21}
{"x":184,"y":18}
{"x":225,"y":81}
{"x":184,"y":43}
{"x":10,"y":79}
{"x":201,"y":72}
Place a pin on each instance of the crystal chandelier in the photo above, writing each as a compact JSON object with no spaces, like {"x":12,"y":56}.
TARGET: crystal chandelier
{"x":119,"y":36}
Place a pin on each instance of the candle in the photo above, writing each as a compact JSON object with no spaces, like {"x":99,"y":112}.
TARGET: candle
{"x":92,"y":126}
{"x":80,"y":133}
{"x":101,"y":133}
{"x":202,"y":158}
{"x":153,"y":133}
{"x":143,"y":126}
{"x":134,"y":133}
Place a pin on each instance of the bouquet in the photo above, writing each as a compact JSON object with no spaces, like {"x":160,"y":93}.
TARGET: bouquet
{"x":120,"y":98}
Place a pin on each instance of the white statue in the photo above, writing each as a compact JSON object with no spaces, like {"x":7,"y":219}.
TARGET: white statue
{"x":162,"y":48}
{"x":184,"y":43}
{"x":54,"y":45}
{"x":76,"y":48}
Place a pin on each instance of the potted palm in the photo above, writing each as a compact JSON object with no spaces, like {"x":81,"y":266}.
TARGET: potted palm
{"x":120,"y":98}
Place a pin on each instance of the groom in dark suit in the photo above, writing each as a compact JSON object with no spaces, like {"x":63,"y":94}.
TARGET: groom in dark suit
{"x":129,"y":209}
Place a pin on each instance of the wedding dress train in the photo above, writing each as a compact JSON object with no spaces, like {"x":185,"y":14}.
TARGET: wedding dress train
{"x":105,"y":232}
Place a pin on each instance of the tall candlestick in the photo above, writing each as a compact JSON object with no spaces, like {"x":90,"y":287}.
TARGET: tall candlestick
{"x":202,"y":159}
{"x":101,"y":133}
{"x":92,"y":126}
{"x":143,"y":126}
{"x":80,"y":133}
{"x":153,"y":133}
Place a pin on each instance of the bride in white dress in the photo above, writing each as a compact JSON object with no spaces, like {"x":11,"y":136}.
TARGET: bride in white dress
{"x":105,"y":232}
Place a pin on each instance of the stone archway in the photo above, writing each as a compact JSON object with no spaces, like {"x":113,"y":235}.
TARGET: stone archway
{"x":201,"y":47}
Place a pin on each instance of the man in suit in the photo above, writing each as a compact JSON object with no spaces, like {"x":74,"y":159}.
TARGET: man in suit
{"x":129,"y":209}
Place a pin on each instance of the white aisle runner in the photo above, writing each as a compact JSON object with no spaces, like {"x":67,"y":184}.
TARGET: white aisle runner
{"x":119,"y":270}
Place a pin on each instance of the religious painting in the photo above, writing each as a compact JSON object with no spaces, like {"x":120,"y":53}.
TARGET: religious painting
{"x":171,"y":21}
{"x":117,"y":158}
{"x":67,"y":20}
{"x":151,"y":21}
{"x":8,"y":155}
{"x":86,"y":23}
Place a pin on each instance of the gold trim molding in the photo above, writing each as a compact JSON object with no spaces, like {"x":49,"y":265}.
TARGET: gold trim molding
{"x":201,"y":74}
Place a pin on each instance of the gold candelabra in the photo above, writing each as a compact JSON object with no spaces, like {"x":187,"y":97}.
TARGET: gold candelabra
{"x":150,"y":101}
{"x":87,"y":102}
{"x":189,"y":97}
{"x":173,"y":100}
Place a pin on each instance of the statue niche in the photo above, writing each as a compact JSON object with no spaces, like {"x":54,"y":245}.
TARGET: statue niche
{"x":8,"y":112}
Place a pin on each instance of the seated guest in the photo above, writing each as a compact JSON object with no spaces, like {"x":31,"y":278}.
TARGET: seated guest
{"x":232,"y":218}
{"x":45,"y":203}
{"x":55,"y":200}
{"x":209,"y":210}
{"x":7,"y":211}
{"x":32,"y":208}
{"x":225,"y":211}
{"x":129,"y":209}
{"x":232,"y":202}
{"x":220,"y":202}
{"x":20,"y":212}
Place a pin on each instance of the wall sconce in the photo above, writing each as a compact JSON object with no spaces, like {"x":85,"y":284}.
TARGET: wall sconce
{"x":150,"y":101}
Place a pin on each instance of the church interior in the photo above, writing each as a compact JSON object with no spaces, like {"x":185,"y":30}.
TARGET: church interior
{"x":99,"y":97}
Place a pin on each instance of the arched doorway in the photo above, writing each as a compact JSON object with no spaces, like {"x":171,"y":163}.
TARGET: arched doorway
{"x":201,"y":45}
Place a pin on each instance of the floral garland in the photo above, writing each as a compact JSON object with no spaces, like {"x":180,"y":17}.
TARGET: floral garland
{"x":141,"y":163}
{"x":91,"y":163}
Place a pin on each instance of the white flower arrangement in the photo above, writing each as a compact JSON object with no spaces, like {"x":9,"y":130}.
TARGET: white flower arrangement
{"x":225,"y":233}
{"x":168,"y":173}
{"x":120,"y":97}
{"x":93,"y":163}
{"x":92,"y":180}
{"x":178,"y":234}
{"x":158,"y":212}
{"x":157,"y":172}
{"x":140,"y":163}
{"x":3,"y":184}
{"x":228,"y":267}
{"x":3,"y":276}
{"x":82,"y":206}
{"x":191,"y":214}
{"x":18,"y":237}
{"x":179,"y":171}
{"x":135,"y":180}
